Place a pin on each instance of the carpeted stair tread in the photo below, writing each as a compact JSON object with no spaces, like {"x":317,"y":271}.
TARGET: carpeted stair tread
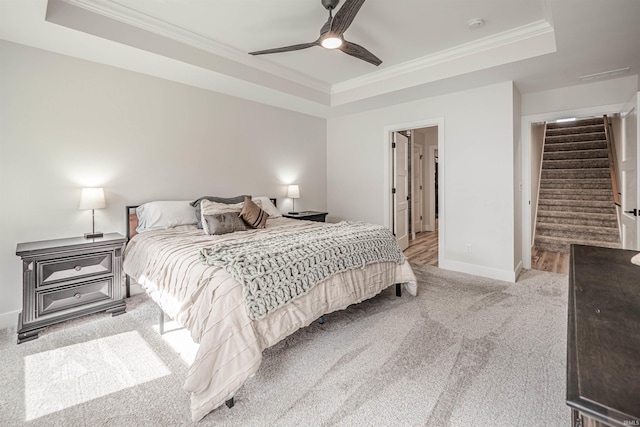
{"x":578,"y":218}
{"x":600,"y":153}
{"x":556,"y":244}
{"x":577,"y":203}
{"x":573,"y":130}
{"x":575,"y":194}
{"x":592,"y":136}
{"x":576,"y":163}
{"x":573,"y":206}
{"x":576,"y":146}
{"x":581,"y":173}
{"x":587,"y":183}
{"x":573,"y":231}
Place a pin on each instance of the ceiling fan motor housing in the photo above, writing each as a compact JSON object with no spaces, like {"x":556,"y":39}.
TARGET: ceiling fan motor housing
{"x":330,"y":4}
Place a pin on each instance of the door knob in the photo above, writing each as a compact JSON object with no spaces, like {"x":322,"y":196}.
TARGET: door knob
{"x":634,"y":212}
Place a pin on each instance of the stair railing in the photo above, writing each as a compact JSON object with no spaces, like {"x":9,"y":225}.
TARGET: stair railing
{"x":611,"y":150}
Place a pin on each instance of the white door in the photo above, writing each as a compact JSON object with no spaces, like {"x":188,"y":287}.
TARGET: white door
{"x":401,"y":189}
{"x":417,"y":184}
{"x":630,"y":176}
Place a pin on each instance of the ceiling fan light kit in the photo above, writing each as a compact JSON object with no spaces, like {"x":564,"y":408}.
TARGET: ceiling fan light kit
{"x":331,"y":42}
{"x":331,"y":33}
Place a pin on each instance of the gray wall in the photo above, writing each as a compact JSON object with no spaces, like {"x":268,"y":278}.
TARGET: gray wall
{"x":69,"y":123}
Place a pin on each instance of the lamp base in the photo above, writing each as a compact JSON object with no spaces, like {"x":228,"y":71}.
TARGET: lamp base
{"x":94,"y":235}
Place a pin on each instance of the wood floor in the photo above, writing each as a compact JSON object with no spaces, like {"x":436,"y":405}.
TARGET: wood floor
{"x":424,"y":251}
{"x":554,"y":262}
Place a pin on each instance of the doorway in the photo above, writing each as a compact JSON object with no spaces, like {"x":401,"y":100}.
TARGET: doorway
{"x":414,"y":192}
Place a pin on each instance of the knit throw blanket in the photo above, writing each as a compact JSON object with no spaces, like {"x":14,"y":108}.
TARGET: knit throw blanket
{"x":277,"y":269}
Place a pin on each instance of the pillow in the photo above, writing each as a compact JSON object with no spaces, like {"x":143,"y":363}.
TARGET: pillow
{"x":268,"y":206}
{"x":164,"y":214}
{"x":253,"y":215}
{"x":225,"y":200}
{"x":213,"y":208}
{"x":223,"y":223}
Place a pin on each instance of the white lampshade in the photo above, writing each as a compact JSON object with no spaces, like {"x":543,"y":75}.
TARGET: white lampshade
{"x":293,"y":192}
{"x":92,"y":198}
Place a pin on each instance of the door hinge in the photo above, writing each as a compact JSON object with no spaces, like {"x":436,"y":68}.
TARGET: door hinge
{"x":420,"y":156}
{"x":393,"y":145}
{"x":393,"y":191}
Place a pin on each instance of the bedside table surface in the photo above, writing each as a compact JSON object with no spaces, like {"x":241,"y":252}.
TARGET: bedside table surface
{"x":67,"y":243}
{"x":302,"y":214}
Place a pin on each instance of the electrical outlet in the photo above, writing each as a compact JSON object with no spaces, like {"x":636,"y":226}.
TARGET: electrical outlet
{"x":467,"y":248}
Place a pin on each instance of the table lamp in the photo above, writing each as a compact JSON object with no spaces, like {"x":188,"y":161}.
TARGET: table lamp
{"x":92,"y":198}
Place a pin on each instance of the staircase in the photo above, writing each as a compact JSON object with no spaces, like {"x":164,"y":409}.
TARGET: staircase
{"x":575,"y":202}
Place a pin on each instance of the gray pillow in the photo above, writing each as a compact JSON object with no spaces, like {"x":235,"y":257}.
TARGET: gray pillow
{"x":226,"y":200}
{"x":223,"y":223}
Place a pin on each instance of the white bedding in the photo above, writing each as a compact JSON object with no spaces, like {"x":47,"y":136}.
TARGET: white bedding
{"x":208,"y":302}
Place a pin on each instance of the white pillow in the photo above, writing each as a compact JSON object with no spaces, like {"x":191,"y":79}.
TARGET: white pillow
{"x":268,"y":206}
{"x":164,"y":214}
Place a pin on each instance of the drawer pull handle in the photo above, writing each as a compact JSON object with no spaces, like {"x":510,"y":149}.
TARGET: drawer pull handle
{"x":77,"y":295}
{"x":77,"y":268}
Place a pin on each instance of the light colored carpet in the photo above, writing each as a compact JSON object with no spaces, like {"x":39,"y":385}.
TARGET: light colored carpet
{"x":467,"y":351}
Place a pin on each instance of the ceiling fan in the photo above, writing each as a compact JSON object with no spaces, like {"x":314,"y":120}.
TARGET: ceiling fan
{"x":332,"y":31}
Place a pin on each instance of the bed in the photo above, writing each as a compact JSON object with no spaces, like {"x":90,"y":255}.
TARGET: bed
{"x":209,"y":300}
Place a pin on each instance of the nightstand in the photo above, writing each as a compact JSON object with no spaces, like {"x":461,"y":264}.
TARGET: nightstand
{"x":308,"y":216}
{"x":67,"y":278}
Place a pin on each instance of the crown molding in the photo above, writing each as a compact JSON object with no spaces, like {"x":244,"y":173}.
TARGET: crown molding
{"x":514,"y":35}
{"x":114,"y":10}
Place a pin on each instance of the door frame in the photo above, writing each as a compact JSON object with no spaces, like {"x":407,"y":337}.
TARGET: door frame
{"x":633,"y":104}
{"x":387,"y":167}
{"x":417,"y":171}
{"x":526,"y":122}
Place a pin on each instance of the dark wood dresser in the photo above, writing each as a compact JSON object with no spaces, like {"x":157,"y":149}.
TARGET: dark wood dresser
{"x":603,"y":338}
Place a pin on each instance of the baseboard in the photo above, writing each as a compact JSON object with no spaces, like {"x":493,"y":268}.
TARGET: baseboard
{"x":518,"y":271}
{"x":478,"y":270}
{"x":9,"y":319}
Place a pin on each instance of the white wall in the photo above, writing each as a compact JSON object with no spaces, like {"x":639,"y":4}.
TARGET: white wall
{"x":517,"y":188}
{"x":69,"y":123}
{"x":596,"y":94}
{"x":478,"y":170}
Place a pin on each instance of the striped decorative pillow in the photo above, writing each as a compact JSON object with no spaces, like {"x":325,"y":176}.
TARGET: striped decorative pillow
{"x":253,"y":215}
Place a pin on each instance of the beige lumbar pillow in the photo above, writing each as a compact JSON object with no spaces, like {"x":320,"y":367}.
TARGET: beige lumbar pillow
{"x":253,"y":215}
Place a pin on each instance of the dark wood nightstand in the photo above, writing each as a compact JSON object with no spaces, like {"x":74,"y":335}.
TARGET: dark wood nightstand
{"x":67,"y":278}
{"x":308,"y":216}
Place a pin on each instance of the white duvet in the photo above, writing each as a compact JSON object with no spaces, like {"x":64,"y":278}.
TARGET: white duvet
{"x":208,"y":302}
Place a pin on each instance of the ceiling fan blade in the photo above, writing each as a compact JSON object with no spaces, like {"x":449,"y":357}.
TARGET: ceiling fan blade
{"x":359,"y":52}
{"x":285,"y":48}
{"x":345,"y":16}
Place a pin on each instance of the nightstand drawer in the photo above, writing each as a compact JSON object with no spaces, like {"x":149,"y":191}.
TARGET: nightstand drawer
{"x":61,"y":269}
{"x":73,"y":296}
